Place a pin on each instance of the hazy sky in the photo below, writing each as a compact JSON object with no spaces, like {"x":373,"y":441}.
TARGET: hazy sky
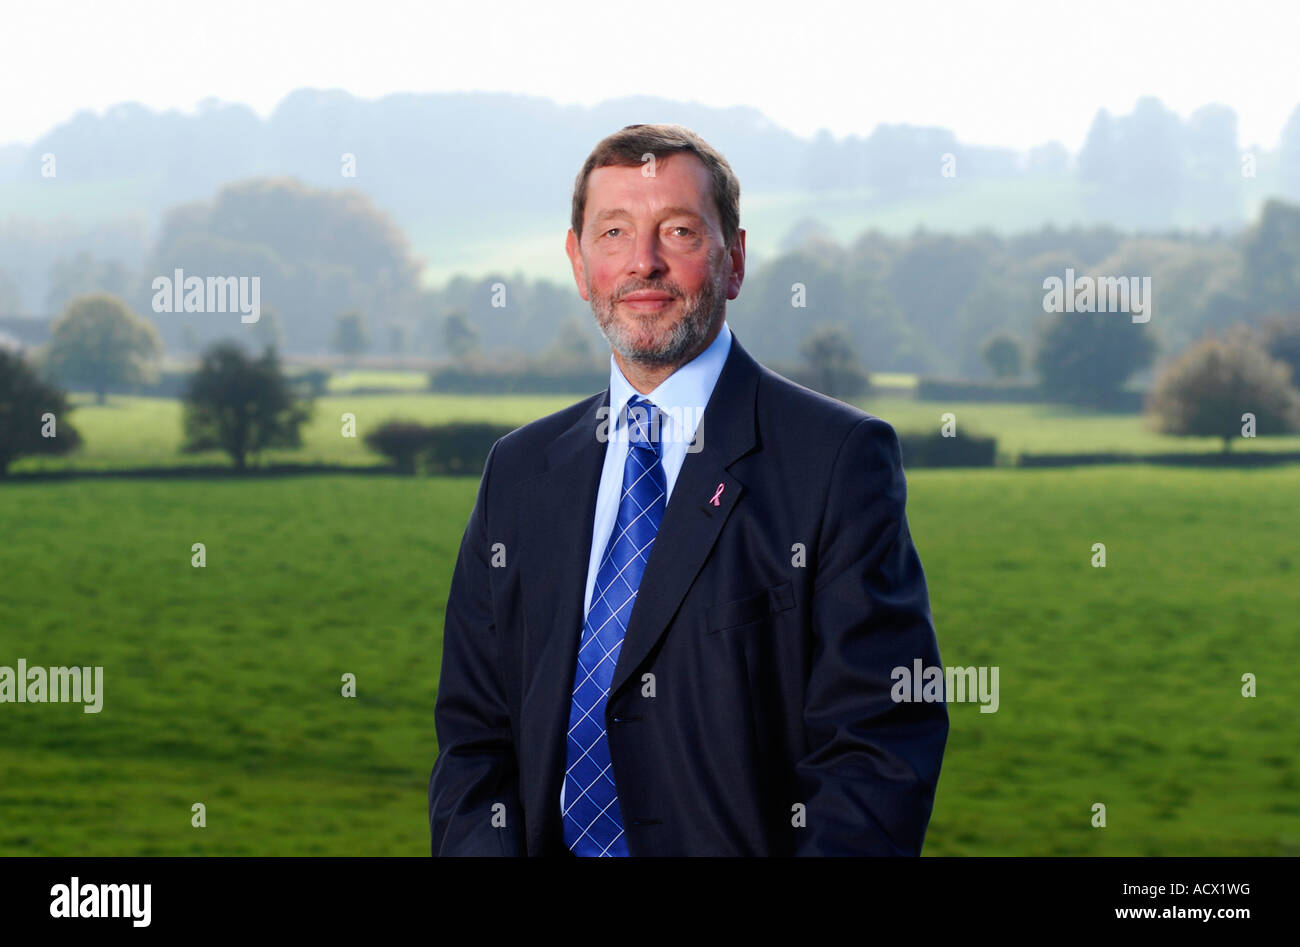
{"x":1013,"y":74}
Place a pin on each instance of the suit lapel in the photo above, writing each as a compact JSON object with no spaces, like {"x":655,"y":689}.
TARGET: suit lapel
{"x":559,"y":506}
{"x":693,"y":518}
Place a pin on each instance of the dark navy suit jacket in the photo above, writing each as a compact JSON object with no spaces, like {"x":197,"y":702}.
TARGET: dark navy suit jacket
{"x":750,"y":710}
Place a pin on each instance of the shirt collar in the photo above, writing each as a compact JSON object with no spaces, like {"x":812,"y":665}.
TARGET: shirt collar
{"x":683,"y":394}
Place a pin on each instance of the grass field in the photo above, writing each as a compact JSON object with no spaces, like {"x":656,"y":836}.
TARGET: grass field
{"x":344,"y":382}
{"x":1118,"y":685}
{"x":130,"y":432}
{"x":1057,"y":429}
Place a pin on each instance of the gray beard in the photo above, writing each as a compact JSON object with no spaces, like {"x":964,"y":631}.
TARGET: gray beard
{"x":683,"y":343}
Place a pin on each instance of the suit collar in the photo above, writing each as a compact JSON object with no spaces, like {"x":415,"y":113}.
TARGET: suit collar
{"x":683,"y":394}
{"x":728,"y":415}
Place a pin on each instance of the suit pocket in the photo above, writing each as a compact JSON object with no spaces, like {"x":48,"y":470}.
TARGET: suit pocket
{"x":750,"y":609}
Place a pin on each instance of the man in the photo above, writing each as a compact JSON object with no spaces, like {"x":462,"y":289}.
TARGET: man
{"x":678,"y":604}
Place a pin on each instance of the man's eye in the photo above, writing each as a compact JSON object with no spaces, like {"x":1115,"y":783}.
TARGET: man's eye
{"x":611,"y":230}
{"x":687,"y":229}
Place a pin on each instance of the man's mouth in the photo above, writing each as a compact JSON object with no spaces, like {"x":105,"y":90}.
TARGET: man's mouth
{"x":646,"y":302}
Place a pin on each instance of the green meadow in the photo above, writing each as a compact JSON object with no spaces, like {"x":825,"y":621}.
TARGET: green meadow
{"x":1119,"y":686}
{"x":132,"y":432}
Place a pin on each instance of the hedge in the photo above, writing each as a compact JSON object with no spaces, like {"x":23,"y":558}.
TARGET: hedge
{"x":459,"y":448}
{"x":935,"y":450}
{"x":1205,"y":459}
{"x":518,"y":380}
{"x":941,"y":389}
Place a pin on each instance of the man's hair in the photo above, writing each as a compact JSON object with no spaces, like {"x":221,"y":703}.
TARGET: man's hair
{"x":625,"y":149}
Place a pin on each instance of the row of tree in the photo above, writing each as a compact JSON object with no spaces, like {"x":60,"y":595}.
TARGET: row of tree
{"x":1241,"y":385}
{"x":925,"y":303}
{"x":1083,"y":358}
{"x":234,"y":402}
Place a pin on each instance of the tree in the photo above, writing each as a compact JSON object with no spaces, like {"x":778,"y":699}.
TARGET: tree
{"x":351,"y":337}
{"x":833,"y":367}
{"x":241,"y":405}
{"x":1208,"y":389}
{"x":1003,"y":354}
{"x":932,"y":277}
{"x":902,"y":160}
{"x":99,"y":342}
{"x":1152,"y":160}
{"x":993,"y":307}
{"x":1281,"y":340}
{"x":825,"y":164}
{"x":803,"y":230}
{"x":459,"y":335}
{"x":324,"y":250}
{"x":1134,"y":164}
{"x":1085,"y":358}
{"x":1214,"y":166}
{"x":570,"y":346}
{"x":269,"y":329}
{"x":1271,"y":253}
{"x":1289,"y":154}
{"x":1099,"y":158}
{"x":11,"y":297}
{"x":25,"y":404}
{"x":83,"y":275}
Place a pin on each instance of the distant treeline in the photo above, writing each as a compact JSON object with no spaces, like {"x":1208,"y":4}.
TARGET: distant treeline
{"x":434,"y":158}
{"x":154,"y":190}
{"x":336,"y":274}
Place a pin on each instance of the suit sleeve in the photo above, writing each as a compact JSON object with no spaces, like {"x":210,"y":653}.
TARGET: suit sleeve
{"x":477,"y":767}
{"x":869,"y":776}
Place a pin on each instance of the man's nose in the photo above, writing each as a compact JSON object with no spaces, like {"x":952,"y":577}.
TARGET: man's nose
{"x":647,"y":257}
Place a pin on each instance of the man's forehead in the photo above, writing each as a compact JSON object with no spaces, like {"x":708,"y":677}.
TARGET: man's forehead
{"x":681,"y":184}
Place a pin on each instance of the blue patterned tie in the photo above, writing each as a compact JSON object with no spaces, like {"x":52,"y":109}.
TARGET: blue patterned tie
{"x":592,"y":822}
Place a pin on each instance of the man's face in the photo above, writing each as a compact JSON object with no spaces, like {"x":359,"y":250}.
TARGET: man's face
{"x":651,"y":260}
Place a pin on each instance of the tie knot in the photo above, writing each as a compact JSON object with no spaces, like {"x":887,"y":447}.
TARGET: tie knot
{"x":643,"y":418}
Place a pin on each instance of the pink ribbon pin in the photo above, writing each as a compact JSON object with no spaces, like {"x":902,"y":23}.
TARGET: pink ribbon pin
{"x":714,"y":501}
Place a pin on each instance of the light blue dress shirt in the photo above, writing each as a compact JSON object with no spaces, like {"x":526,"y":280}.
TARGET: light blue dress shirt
{"x":681,"y":397}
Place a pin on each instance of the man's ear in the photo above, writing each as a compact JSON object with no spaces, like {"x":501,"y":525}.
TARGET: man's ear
{"x":737,"y":265}
{"x":574,"y":251}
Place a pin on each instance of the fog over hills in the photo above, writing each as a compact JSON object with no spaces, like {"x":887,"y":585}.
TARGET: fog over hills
{"x":453,"y":191}
{"x":463,"y":173}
